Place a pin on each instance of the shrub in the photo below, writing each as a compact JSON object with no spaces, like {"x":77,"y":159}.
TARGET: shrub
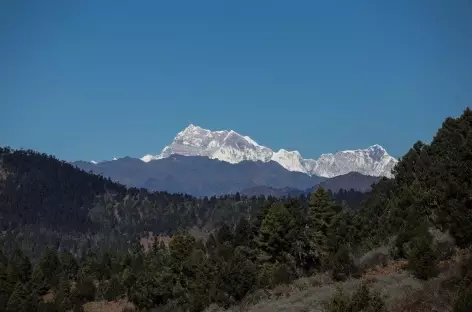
{"x":422,"y":259}
{"x":443,"y":243}
{"x":466,"y":269}
{"x":464,"y":297}
{"x":362,"y":300}
{"x":343,"y":265}
{"x":281,"y":274}
{"x":464,"y":300}
{"x":340,"y":302}
{"x":271,"y":275}
{"x":282,"y":290}
{"x":376,"y":257}
{"x":264,"y":277}
{"x":365,"y":300}
{"x":46,"y":307}
{"x":401,"y":246}
{"x":129,"y":308}
{"x":85,"y":290}
{"x":114,"y":289}
{"x":78,"y":308}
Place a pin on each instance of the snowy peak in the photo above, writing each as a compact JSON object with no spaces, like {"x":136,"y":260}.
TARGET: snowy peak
{"x":374,"y":161}
{"x":290,"y":160}
{"x":232,"y":147}
{"x":225,"y":145}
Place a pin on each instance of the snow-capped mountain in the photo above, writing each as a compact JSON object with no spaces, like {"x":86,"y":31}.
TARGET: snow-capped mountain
{"x":232,"y":147}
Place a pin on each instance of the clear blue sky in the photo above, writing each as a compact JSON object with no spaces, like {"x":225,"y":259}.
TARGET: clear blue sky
{"x":98,"y":79}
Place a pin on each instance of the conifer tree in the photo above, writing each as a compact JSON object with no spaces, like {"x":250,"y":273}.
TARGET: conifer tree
{"x":322,"y":211}
{"x":39,"y":282}
{"x":22,"y":265}
{"x":69,"y":266}
{"x":6,"y":287}
{"x":276,"y":224}
{"x":63,"y":295}
{"x":50,"y":265}
{"x":18,"y":299}
{"x":422,"y":259}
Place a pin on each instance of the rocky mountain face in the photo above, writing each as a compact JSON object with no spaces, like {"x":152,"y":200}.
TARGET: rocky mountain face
{"x":231,"y":147}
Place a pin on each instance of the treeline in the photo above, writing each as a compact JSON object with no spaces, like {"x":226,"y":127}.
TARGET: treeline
{"x":282,"y":243}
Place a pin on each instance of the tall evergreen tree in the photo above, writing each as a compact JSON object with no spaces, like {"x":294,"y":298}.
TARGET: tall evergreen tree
{"x":277,"y":223}
{"x":20,"y":300}
{"x":22,"y":265}
{"x":69,"y":266}
{"x":51,"y":266}
{"x":321,"y":210}
{"x":39,"y":282}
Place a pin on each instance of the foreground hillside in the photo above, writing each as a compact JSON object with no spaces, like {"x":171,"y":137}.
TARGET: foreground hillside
{"x":406,"y":249}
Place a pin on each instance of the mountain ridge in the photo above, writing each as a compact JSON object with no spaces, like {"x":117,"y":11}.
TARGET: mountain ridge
{"x":232,"y":147}
{"x":199,"y":175}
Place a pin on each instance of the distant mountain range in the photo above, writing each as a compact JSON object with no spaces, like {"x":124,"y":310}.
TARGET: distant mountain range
{"x":201,"y":176}
{"x":201,"y":162}
{"x":231,"y":147}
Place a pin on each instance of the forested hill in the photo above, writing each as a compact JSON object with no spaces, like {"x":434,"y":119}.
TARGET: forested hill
{"x":47,"y":202}
{"x":44,"y":201}
{"x":432,"y":186}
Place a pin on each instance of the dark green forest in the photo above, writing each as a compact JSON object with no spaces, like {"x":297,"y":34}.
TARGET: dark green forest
{"x":76,"y":234}
{"x":47,"y":202}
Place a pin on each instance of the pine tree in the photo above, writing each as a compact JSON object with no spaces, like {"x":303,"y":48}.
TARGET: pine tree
{"x":422,"y":259}
{"x":3,"y":259}
{"x":69,"y":266}
{"x":321,"y":209}
{"x":22,"y":265}
{"x":18,"y":299}
{"x":6,"y":287}
{"x":343,"y":265}
{"x":277,"y":223}
{"x":114,"y":289}
{"x":63,"y":295}
{"x":38,"y":281}
{"x":243,"y":233}
{"x":181,"y":246}
{"x":51,"y":266}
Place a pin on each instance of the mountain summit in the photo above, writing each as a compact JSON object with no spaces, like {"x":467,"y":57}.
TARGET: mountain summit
{"x":232,"y":147}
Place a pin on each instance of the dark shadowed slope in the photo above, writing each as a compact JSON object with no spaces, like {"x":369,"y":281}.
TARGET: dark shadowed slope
{"x":352,"y":180}
{"x":199,"y":176}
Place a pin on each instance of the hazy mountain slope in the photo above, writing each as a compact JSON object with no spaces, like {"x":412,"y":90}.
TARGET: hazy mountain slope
{"x":199,"y":176}
{"x":271,"y":191}
{"x":352,"y":180}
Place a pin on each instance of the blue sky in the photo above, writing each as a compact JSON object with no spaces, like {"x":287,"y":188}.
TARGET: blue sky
{"x":99,"y":79}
